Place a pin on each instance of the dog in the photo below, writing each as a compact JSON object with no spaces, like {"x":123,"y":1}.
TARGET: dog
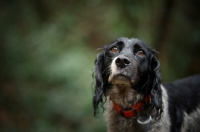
{"x":128,"y":86}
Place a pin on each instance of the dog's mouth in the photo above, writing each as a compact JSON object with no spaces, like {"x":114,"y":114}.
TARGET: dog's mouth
{"x":120,"y":79}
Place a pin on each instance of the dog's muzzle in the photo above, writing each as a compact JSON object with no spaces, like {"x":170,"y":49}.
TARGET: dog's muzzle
{"x":121,"y":71}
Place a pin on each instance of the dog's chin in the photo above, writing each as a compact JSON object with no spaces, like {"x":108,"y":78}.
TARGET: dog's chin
{"x":120,"y":79}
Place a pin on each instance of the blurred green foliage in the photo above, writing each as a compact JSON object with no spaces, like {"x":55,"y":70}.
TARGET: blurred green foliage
{"x":48,"y":49}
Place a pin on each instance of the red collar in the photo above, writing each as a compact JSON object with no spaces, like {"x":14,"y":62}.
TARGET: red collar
{"x":133,"y":110}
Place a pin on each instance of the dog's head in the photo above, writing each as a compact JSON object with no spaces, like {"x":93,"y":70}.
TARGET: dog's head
{"x":127,"y":62}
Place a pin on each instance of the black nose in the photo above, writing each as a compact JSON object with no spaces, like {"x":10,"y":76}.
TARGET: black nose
{"x":122,"y":62}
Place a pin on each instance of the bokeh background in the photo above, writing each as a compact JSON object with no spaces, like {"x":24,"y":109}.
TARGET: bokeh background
{"x":47,"y":50}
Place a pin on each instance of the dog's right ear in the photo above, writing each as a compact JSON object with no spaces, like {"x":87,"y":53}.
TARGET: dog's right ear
{"x":99,"y":82}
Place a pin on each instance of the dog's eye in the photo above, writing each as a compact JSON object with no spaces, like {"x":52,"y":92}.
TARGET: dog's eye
{"x":114,"y":49}
{"x":141,"y":53}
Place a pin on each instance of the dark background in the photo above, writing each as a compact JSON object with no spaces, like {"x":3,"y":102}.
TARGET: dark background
{"x":47,"y":50}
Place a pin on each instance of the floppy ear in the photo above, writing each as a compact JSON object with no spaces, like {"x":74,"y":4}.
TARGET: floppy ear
{"x":156,"y":91}
{"x":99,"y":82}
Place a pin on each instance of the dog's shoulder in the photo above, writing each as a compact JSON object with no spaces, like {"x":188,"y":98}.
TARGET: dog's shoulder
{"x":184,"y":91}
{"x":184,"y":86}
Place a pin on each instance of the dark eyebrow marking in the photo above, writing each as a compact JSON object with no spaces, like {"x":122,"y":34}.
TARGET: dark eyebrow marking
{"x":120,"y":43}
{"x":137,"y":46}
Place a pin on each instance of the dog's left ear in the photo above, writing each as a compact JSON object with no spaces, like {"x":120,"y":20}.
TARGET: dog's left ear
{"x":156,"y":91}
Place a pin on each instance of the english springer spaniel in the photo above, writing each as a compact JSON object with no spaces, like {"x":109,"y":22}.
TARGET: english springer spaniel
{"x":128,"y":86}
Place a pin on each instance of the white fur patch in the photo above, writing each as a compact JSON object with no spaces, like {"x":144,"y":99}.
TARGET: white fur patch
{"x":164,"y":124}
{"x":191,"y":121}
{"x":113,"y":69}
{"x":165,"y":121}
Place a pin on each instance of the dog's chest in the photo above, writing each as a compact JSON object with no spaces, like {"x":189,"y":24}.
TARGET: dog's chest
{"x":118,"y":123}
{"x":124,"y":97}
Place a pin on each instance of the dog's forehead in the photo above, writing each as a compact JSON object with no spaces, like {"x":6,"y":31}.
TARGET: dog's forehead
{"x":130,"y":42}
{"x":134,"y":41}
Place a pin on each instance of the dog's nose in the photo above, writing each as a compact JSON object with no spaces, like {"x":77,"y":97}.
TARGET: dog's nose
{"x":122,"y":62}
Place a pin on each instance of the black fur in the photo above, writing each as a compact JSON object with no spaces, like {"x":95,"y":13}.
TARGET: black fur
{"x":184,"y":96}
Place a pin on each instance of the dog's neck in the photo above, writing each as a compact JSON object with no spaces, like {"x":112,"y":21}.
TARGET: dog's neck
{"x":123,"y":95}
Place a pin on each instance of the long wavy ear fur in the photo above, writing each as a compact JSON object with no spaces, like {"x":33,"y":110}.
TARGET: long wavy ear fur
{"x":156,"y":91}
{"x":99,"y":82}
